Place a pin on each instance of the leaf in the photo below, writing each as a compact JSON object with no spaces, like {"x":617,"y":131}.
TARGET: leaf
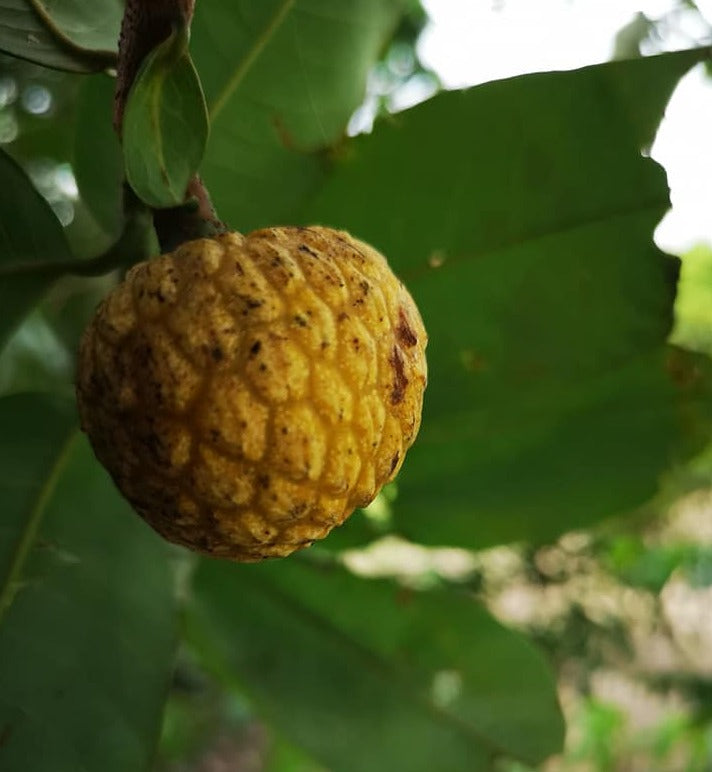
{"x":32,"y":245}
{"x":87,"y":609}
{"x":165,"y":126}
{"x":25,"y":34}
{"x":35,"y":359}
{"x":98,"y":162}
{"x":693,"y":306}
{"x":525,"y":237}
{"x":282,"y":78}
{"x":367,"y":676}
{"x":91,"y":26}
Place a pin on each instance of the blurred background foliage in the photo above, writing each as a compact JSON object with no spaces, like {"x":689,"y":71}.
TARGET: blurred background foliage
{"x":574,"y":507}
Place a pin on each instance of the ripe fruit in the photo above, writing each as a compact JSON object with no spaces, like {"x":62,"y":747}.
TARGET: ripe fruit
{"x":246,"y":393}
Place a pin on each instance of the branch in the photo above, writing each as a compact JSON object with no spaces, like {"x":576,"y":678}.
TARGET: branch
{"x":145,"y":25}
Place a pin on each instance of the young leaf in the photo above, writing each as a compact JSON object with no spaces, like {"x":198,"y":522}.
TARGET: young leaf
{"x":165,"y":126}
{"x":367,"y":675}
{"x":526,"y":239}
{"x":32,"y":245}
{"x":25,"y":33}
{"x":87,"y":613}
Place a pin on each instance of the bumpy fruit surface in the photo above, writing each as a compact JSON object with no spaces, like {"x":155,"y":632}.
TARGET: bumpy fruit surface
{"x":247,"y":393}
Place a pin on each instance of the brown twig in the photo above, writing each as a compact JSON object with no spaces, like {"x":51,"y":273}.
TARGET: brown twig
{"x":146,"y":24}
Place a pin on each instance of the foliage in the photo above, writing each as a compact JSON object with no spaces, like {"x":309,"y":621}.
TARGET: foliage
{"x":520,"y":214}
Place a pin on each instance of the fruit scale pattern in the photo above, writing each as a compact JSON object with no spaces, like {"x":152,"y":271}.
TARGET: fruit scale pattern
{"x":247,"y":393}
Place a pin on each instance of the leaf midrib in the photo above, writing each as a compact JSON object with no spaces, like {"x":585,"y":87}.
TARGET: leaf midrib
{"x":20,"y":554}
{"x":250,"y":57}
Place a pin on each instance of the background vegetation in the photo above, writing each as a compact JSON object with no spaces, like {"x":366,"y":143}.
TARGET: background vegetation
{"x":567,"y":416}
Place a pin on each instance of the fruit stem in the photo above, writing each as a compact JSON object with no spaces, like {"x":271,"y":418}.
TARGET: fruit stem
{"x":145,"y":25}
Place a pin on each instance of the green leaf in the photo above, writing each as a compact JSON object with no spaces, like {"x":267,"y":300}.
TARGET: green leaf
{"x":25,"y":33}
{"x":98,"y":162}
{"x":87,"y":628}
{"x":525,"y":236}
{"x":32,"y":245}
{"x":165,"y":126}
{"x":282,"y":78}
{"x":91,"y":26}
{"x":35,"y":359}
{"x":693,"y":306}
{"x":638,"y":565}
{"x":368,"y":676}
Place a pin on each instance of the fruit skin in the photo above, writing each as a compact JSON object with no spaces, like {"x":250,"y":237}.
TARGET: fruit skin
{"x":246,"y":393}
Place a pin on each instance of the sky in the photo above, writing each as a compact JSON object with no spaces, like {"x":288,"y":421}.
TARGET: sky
{"x":474,"y":41}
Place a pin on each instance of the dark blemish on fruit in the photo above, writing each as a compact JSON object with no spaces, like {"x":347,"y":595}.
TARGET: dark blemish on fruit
{"x":365,"y":286}
{"x":216,"y":353}
{"x":357,"y":344}
{"x":300,"y":320}
{"x":324,"y":344}
{"x":263,"y":481}
{"x":394,"y":462}
{"x":285,"y":430}
{"x":263,"y":368}
{"x":342,"y":316}
{"x":404,"y":332}
{"x":399,"y":379}
{"x":252,"y":303}
{"x":255,"y":348}
{"x":308,"y":250}
{"x":239,"y":269}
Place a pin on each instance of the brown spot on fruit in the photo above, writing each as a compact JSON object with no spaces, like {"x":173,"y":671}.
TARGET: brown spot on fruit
{"x":404,"y":332}
{"x":400,"y":380}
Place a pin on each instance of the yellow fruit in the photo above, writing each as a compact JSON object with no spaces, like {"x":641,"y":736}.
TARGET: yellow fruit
{"x":246,"y":393}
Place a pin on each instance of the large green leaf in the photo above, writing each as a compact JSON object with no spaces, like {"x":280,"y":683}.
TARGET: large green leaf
{"x":368,"y":676}
{"x":282,"y":78}
{"x":26,"y":33}
{"x":520,"y":213}
{"x":31,"y":237}
{"x":98,"y":162}
{"x":86,"y":604}
{"x":92,"y":26}
{"x":165,"y":125}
